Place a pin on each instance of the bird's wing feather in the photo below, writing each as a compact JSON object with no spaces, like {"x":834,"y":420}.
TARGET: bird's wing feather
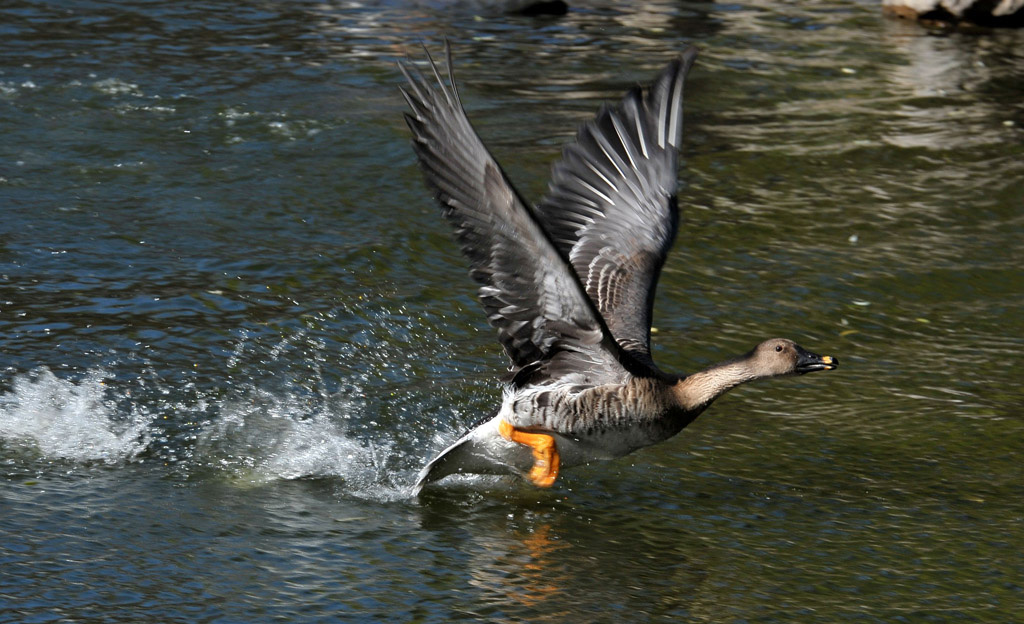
{"x":545,"y":321}
{"x":611,"y":208}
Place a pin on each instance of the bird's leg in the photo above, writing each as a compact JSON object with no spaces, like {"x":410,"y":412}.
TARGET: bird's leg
{"x":545,"y":453}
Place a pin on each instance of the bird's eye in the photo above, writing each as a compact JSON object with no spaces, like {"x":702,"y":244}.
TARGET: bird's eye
{"x":778,"y":348}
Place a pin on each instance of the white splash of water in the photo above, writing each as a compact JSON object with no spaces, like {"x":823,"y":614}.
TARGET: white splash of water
{"x":256,"y":436}
{"x":68,"y":420}
{"x":266,"y":437}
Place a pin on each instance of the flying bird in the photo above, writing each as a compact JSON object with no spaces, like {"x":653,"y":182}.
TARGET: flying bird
{"x":569,"y":283}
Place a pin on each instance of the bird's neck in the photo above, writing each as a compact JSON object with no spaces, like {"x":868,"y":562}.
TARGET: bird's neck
{"x":698,"y":390}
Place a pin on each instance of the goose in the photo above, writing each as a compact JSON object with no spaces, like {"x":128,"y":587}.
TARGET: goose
{"x":569,"y":283}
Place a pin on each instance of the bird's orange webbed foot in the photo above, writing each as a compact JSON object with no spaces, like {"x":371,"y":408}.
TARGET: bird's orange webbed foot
{"x":545,"y":454}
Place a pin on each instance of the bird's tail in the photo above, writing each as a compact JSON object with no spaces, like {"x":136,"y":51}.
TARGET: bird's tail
{"x":446,"y":463}
{"x":481,"y":451}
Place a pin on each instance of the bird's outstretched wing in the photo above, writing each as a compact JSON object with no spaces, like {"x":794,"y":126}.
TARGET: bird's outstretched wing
{"x":545,"y":320}
{"x":611,"y":207}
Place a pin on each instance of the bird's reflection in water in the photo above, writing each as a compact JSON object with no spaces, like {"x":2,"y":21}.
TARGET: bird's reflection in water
{"x":522,"y":567}
{"x":549,"y":561}
{"x":542,"y":575}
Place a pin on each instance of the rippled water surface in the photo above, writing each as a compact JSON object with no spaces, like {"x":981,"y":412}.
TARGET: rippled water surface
{"x":233,"y":326}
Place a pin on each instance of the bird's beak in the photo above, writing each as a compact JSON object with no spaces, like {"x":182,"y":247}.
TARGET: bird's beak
{"x":808,"y":362}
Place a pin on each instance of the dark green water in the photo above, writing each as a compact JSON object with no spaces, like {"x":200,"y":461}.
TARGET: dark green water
{"x":233,"y":327}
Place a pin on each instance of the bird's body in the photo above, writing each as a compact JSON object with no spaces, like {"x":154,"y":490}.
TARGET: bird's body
{"x":570,"y":284}
{"x":589,"y":423}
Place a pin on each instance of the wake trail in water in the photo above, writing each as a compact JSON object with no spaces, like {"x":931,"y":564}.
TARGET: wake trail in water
{"x":72,"y":421}
{"x":253,"y":436}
